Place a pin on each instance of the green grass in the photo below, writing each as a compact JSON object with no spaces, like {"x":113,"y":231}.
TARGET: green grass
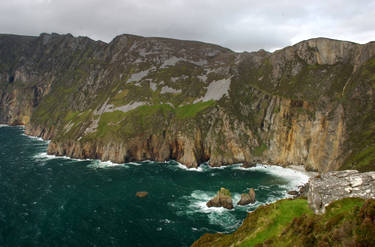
{"x":342,"y":206}
{"x":70,"y":116}
{"x":281,"y":215}
{"x":262,"y":224}
{"x":224,"y":192}
{"x":191,"y":110}
{"x":258,"y":151}
{"x":334,"y":228}
{"x":292,"y":223}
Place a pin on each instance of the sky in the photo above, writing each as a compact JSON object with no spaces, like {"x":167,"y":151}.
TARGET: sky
{"x":241,"y":25}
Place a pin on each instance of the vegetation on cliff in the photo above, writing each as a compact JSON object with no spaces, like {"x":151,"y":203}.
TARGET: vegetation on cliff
{"x":152,"y":98}
{"x":346,"y":222}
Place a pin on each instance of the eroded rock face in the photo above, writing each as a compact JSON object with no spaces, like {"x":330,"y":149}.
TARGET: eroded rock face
{"x":247,"y":198}
{"x":332,"y":186}
{"x":139,"y":98}
{"x":222,"y":199}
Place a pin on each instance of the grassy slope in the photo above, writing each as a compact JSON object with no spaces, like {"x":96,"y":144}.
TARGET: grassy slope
{"x":262,"y":224}
{"x":361,"y":118}
{"x":347,"y":222}
{"x":143,"y":119}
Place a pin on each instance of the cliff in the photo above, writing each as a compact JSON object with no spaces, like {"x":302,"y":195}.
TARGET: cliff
{"x":139,"y":98}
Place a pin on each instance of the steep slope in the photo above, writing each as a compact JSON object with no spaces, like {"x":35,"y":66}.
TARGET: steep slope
{"x":142,"y":98}
{"x":347,"y":222}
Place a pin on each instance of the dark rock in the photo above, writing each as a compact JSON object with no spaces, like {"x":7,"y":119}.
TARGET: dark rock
{"x":250,"y":164}
{"x":302,"y":190}
{"x":141,"y":194}
{"x":222,"y":199}
{"x":247,"y":198}
{"x":293,"y":193}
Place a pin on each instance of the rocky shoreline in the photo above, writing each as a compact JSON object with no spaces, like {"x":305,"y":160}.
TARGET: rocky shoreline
{"x":333,"y":209}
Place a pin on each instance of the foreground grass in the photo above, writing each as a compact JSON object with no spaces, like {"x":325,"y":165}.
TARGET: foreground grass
{"x":347,"y":222}
{"x":260,"y":225}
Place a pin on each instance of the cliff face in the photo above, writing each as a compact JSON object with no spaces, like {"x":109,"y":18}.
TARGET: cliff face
{"x":336,"y":185}
{"x":142,"y":98}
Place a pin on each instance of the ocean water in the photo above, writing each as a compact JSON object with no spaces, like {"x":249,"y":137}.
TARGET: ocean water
{"x":57,"y":201}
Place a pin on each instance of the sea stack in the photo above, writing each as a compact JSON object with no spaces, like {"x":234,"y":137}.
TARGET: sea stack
{"x":222,"y":199}
{"x":247,"y":198}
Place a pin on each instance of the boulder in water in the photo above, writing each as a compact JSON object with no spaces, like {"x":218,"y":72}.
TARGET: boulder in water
{"x":141,"y":194}
{"x":222,"y":199}
{"x":247,"y":198}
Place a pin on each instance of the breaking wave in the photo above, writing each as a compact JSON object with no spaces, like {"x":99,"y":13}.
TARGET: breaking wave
{"x":93,"y":163}
{"x":294,"y":178}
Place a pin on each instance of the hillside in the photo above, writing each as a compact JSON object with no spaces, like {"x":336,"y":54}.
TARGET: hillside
{"x":139,"y":98}
{"x":347,"y":222}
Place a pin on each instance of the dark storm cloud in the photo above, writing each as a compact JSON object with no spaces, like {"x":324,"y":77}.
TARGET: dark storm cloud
{"x":237,"y":24}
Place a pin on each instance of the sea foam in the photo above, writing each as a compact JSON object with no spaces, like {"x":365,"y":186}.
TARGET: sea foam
{"x":93,"y":163}
{"x":196,"y":203}
{"x":183,"y":167}
{"x":105,"y":164}
{"x":35,"y":138}
{"x":294,"y":178}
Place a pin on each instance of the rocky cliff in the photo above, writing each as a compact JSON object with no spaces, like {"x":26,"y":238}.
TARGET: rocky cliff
{"x":139,"y":98}
{"x":336,"y":185}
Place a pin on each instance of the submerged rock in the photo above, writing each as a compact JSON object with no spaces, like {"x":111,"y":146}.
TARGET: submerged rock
{"x":141,"y":194}
{"x":247,"y":198}
{"x":222,"y":199}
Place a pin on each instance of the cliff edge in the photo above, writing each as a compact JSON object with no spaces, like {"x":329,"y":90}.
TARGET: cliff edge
{"x":139,"y":98}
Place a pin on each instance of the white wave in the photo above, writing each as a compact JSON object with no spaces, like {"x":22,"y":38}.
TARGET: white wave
{"x":206,"y":167}
{"x":198,"y":200}
{"x":3,"y":125}
{"x":236,"y":197}
{"x":93,"y":164}
{"x":183,"y":167}
{"x":44,"y":156}
{"x":226,"y":220}
{"x":134,"y":164}
{"x":34,"y":137}
{"x":196,"y":203}
{"x":216,"y":215}
{"x":105,"y":164}
{"x":294,"y":178}
{"x":166,"y":221}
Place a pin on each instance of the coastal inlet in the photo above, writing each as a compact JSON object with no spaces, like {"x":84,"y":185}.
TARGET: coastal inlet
{"x":46,"y":199}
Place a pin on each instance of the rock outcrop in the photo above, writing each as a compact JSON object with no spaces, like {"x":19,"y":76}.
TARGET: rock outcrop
{"x":222,"y":199}
{"x":139,"y":98}
{"x":141,"y":194}
{"x":247,"y":198}
{"x":332,"y":186}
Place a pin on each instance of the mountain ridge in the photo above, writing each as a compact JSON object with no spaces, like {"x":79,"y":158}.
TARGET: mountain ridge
{"x":139,"y":98}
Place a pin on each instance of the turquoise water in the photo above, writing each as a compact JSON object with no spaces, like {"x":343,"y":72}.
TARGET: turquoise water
{"x":56,"y":201}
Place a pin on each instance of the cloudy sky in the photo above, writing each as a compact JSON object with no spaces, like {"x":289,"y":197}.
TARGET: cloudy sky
{"x":236,"y":24}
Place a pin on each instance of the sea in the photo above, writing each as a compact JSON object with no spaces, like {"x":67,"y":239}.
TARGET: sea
{"x":47,"y":200}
